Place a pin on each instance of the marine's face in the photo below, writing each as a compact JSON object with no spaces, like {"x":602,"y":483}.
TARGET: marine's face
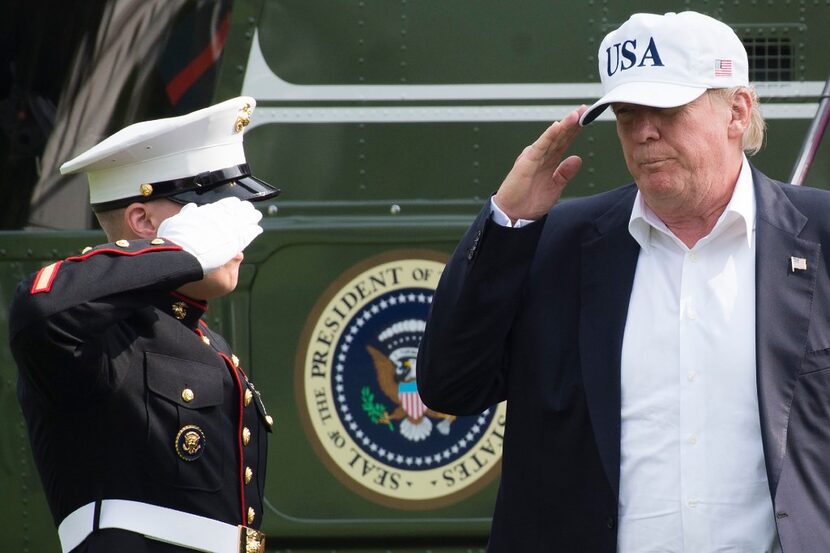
{"x":676,"y":155}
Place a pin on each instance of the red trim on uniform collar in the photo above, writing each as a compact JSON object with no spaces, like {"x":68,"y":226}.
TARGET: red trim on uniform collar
{"x":203,"y":306}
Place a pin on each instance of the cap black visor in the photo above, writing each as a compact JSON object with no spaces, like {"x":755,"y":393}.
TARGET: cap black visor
{"x":245,"y":188}
{"x":200,"y":189}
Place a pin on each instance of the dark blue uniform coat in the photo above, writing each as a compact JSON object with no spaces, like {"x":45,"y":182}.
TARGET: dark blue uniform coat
{"x":106,"y":350}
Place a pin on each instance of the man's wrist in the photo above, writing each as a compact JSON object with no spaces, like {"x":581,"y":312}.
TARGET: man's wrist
{"x":502,"y":219}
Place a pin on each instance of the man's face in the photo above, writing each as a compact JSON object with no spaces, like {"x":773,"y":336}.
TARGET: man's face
{"x":676,"y":155}
{"x":220,"y":282}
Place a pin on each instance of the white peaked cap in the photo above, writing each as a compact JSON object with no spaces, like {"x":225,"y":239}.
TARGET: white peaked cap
{"x":205,"y":143}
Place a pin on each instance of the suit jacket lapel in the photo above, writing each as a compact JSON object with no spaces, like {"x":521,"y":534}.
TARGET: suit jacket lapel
{"x":609,"y":259}
{"x":782,"y":312}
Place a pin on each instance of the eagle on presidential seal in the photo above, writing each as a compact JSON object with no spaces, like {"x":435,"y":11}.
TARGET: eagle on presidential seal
{"x":395,"y":371}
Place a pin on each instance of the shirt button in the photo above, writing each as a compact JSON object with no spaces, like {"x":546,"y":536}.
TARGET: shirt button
{"x":692,"y":376}
{"x":692,"y":503}
{"x":188,"y":395}
{"x":691,"y":313}
{"x":692,"y":440}
{"x":693,"y":257}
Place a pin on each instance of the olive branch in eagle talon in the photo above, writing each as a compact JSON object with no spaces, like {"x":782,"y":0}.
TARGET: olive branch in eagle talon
{"x":376,"y":411}
{"x":396,"y":376}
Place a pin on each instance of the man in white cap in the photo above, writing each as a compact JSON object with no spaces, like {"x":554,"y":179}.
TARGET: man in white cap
{"x":147,"y":433}
{"x":661,"y":345}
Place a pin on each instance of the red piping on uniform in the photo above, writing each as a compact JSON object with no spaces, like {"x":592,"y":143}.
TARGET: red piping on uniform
{"x":182,"y":82}
{"x":190,"y":301}
{"x":239,"y":435}
{"x":122,"y":252}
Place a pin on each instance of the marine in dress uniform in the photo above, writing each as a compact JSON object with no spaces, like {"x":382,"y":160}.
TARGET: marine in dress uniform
{"x":146,"y":430}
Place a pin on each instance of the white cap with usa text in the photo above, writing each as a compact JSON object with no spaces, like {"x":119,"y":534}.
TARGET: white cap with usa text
{"x":666,"y":61}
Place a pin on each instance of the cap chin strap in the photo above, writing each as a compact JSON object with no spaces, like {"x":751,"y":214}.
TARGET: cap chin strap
{"x":155,"y":190}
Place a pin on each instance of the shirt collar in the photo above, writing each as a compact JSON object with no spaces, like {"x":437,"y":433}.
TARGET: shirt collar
{"x":741,"y":206}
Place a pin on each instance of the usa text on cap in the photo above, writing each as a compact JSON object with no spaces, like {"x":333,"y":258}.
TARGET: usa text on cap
{"x":196,"y":157}
{"x":667,"y":61}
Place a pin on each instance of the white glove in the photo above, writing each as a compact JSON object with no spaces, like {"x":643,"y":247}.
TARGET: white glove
{"x":214,"y":232}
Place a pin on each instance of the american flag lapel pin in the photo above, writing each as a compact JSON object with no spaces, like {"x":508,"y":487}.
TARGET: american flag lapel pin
{"x":798,"y":264}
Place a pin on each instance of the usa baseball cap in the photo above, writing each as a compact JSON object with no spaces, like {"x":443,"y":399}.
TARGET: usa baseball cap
{"x":198,"y":157}
{"x":669,"y":60}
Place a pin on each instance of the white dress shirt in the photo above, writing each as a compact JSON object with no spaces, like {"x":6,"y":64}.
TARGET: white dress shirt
{"x":692,"y":474}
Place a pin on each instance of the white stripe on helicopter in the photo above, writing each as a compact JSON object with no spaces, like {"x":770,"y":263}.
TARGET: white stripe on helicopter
{"x":264,"y":85}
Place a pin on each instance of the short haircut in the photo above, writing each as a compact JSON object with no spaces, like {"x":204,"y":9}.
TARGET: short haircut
{"x":112,"y":222}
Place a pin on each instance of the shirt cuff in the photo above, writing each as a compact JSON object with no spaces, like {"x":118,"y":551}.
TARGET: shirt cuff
{"x":501,"y":219}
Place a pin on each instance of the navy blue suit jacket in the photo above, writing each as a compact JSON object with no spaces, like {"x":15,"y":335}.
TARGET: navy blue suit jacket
{"x":535,"y":316}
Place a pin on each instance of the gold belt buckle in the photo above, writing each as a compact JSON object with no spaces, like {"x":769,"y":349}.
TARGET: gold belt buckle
{"x":250,"y":540}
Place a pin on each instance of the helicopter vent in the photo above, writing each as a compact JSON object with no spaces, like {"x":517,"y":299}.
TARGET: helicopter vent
{"x":775,"y":52}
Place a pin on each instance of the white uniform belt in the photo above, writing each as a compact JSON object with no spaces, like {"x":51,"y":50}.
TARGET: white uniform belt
{"x":159,"y":523}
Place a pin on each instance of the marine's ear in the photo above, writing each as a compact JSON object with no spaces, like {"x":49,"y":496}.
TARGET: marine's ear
{"x":143,"y":219}
{"x":139,"y":221}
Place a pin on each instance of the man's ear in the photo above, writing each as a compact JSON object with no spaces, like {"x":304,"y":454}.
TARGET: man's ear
{"x":138,"y":219}
{"x":742,"y":107}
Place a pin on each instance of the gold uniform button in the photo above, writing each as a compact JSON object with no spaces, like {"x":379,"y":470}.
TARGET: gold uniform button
{"x":206,"y":340}
{"x":269,"y":420}
{"x":146,"y":189}
{"x":157,"y":241}
{"x":246,"y":436}
{"x":86,"y":250}
{"x":249,"y":396}
{"x":249,"y":474}
{"x":188,"y":395}
{"x":235,"y":360}
{"x":122,"y":243}
{"x":251,"y":515}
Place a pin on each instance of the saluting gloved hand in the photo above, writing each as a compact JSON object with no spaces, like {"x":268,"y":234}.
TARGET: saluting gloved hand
{"x":214,"y":232}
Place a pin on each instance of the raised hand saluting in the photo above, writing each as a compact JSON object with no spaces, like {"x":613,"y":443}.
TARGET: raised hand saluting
{"x":539,"y":175}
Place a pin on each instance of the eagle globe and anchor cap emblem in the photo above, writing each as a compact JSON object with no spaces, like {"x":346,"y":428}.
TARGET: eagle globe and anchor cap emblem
{"x":358,"y":364}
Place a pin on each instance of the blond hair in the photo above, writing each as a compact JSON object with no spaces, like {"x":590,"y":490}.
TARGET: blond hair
{"x":753,"y":139}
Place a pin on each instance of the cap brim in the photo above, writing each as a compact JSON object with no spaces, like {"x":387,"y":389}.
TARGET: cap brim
{"x":656,"y":95}
{"x":245,"y":188}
